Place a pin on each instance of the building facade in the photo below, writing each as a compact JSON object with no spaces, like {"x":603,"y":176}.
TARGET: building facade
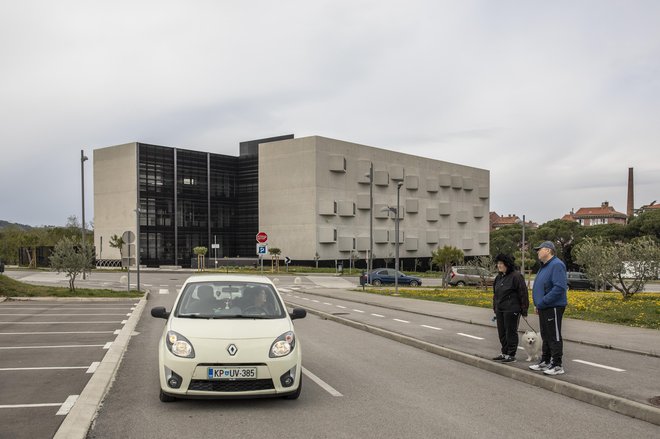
{"x":594,"y":216}
{"x":311,"y":195}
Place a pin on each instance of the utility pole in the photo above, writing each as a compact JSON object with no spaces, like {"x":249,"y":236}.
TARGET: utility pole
{"x":83,"y":158}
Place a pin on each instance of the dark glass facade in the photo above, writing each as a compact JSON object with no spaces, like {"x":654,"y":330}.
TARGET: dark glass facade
{"x":190,"y":198}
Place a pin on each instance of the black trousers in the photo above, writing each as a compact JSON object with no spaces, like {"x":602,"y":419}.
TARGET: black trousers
{"x":553,"y":343}
{"x":507,"y":329}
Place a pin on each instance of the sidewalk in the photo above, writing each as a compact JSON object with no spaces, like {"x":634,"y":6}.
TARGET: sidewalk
{"x":624,"y":338}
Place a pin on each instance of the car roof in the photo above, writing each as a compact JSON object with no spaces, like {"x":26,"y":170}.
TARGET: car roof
{"x":228,"y":278}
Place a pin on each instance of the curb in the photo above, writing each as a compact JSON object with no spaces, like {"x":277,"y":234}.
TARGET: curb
{"x":77,"y":422}
{"x":396,"y":308}
{"x":616,"y":404}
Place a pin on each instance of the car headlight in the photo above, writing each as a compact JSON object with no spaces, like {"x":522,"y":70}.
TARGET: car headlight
{"x":283,"y":345}
{"x":179,"y":345}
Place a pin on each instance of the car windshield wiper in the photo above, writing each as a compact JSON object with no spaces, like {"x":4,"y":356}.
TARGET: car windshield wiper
{"x":193,"y":316}
{"x":242,"y":316}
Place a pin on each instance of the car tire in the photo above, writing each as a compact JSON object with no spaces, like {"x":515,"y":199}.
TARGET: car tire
{"x":413,"y":283}
{"x":376,"y":283}
{"x":460,"y":283}
{"x":165,"y":397}
{"x":295,"y":394}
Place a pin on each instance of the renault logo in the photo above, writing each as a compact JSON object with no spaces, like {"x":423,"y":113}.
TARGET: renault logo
{"x":232,"y":349}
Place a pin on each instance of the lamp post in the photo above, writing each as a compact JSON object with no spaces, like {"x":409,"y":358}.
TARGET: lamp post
{"x":396,"y":243}
{"x":83,"y":159}
{"x":522,"y":247}
{"x":370,"y":258}
{"x":138,"y":211}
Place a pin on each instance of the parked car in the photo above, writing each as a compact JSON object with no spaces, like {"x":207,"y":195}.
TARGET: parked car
{"x":228,"y":336}
{"x":386,"y":276}
{"x":580,"y":281}
{"x":465,"y":275}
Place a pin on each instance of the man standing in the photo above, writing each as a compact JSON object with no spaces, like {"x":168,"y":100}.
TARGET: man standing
{"x":549,"y":294}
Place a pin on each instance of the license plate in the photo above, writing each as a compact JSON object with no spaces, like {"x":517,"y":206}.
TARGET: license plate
{"x":232,"y":373}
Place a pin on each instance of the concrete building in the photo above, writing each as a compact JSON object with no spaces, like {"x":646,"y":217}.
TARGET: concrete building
{"x":310,"y":195}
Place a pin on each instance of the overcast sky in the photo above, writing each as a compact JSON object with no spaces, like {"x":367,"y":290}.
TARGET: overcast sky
{"x":557,"y":99}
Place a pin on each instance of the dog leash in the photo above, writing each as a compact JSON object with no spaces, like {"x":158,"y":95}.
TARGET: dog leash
{"x":530,"y":326}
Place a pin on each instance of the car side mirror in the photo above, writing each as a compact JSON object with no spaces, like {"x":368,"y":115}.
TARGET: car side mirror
{"x":298,"y":313}
{"x":159,"y":312}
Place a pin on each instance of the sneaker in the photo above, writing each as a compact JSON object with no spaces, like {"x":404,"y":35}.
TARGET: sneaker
{"x":500,"y":357}
{"x":554,"y":370}
{"x":540,"y":366}
{"x":509,"y":359}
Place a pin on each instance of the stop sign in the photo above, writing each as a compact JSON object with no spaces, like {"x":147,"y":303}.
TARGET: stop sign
{"x":262,"y":237}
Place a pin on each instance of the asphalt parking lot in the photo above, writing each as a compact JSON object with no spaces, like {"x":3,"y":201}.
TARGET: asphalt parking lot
{"x":49,"y":350}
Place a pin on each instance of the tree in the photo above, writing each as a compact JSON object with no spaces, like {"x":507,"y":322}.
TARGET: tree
{"x":118,"y":243}
{"x":445,"y":257}
{"x":72,"y":258}
{"x":625,"y":266}
{"x":484,"y":266}
{"x":276,"y":252}
{"x":646,"y":223}
{"x":200,"y":251}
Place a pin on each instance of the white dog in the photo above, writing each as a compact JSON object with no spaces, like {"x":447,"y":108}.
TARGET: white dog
{"x":531,"y":342}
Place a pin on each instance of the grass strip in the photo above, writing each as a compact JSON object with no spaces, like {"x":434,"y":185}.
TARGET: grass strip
{"x":12,"y":288}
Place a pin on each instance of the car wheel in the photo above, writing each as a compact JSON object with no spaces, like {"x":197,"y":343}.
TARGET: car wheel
{"x":165,"y":397}
{"x":377,"y":282}
{"x":413,"y":283}
{"x":460,"y":283}
{"x":295,"y":394}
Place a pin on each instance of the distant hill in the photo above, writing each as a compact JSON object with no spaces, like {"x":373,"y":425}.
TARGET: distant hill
{"x":5,"y":224}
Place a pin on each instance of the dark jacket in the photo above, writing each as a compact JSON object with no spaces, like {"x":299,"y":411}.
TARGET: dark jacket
{"x":550,"y":287}
{"x":510,"y":293}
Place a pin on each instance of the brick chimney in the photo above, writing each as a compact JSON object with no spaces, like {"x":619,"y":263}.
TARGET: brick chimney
{"x":631,"y":195}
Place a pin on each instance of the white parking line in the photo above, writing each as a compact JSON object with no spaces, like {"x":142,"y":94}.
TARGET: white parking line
{"x":431,"y":327}
{"x":469,"y":336}
{"x":48,"y":333}
{"x":117,"y":331}
{"x":13,"y":369}
{"x":53,"y":347}
{"x":305,"y":298}
{"x":57,"y":323}
{"x":339,"y":306}
{"x":128,"y":314}
{"x":327,"y":303}
{"x":377,"y":315}
{"x":57,"y":314}
{"x":358,"y":310}
{"x":148,"y":285}
{"x":402,"y":321}
{"x":123,"y":322}
{"x":66,"y":407}
{"x":23,"y":406}
{"x":602,"y":366}
{"x":315,"y":301}
{"x":325,"y":386}
{"x":163,"y":291}
{"x":92,"y":367}
{"x":107,"y":345}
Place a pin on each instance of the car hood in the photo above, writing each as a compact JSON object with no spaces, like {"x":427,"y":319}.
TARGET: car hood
{"x":235,"y":329}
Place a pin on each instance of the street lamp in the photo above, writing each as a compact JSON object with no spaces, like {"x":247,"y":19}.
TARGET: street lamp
{"x":138,"y":211}
{"x":370,"y":259}
{"x":522,"y":248}
{"x":395,"y":211}
{"x":83,"y":159}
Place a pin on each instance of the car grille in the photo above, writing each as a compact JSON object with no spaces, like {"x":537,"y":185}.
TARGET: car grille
{"x":231,"y":386}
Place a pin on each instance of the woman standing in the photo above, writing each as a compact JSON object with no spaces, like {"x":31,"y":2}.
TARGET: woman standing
{"x":510,"y":300}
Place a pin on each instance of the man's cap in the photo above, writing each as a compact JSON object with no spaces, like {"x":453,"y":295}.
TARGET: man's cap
{"x":546,"y":244}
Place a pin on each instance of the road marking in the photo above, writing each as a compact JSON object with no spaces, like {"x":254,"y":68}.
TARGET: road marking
{"x":53,"y":347}
{"x":358,"y":310}
{"x":22,"y":406}
{"x":66,"y":407}
{"x":327,"y":303}
{"x":7,"y":369}
{"x":117,"y":331}
{"x":107,"y":345}
{"x":128,"y":314}
{"x":305,"y":298}
{"x":297,"y":297}
{"x":315,"y":301}
{"x":325,"y":386}
{"x":469,"y":336}
{"x":148,"y":285}
{"x":56,"y":323}
{"x":286,"y":290}
{"x":339,"y":306}
{"x":615,"y":369}
{"x":402,"y":321}
{"x":48,"y":333}
{"x":123,"y":322}
{"x":431,"y":327}
{"x":54,"y":315}
{"x":163,"y":291}
{"x":92,"y":367}
{"x":164,"y":285}
{"x":377,"y":315}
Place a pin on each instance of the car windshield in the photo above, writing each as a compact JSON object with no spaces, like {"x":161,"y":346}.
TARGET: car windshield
{"x":227,"y":300}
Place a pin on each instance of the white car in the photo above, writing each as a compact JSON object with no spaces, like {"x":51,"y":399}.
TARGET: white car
{"x":229,"y":336}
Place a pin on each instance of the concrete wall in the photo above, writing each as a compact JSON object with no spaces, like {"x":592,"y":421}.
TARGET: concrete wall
{"x":115,"y":195}
{"x":301,"y":180}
